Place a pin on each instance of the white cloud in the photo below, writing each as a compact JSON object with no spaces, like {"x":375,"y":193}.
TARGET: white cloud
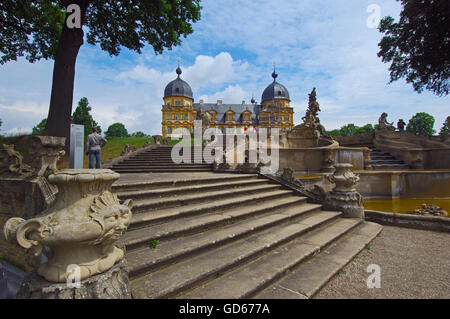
{"x":18,"y":131}
{"x":316,"y":43}
{"x":233,"y":94}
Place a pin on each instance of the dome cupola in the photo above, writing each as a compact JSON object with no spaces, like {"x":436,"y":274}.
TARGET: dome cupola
{"x":275,"y":91}
{"x":178,"y":87}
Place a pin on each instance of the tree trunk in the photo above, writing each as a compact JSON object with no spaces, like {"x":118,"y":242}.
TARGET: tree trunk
{"x":60,"y":111}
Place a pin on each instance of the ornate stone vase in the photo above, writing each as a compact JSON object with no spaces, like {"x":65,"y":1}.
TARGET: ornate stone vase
{"x":81,"y":227}
{"x":344,"y":178}
{"x":344,"y":196}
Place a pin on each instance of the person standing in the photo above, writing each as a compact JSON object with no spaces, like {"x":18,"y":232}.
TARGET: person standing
{"x":401,"y":125}
{"x":94,"y":143}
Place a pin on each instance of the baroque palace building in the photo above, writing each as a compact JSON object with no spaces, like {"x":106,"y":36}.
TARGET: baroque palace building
{"x":179,"y":110}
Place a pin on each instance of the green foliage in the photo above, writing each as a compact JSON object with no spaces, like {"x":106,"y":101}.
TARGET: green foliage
{"x":33,"y":27}
{"x":418,"y":46}
{"x":153,"y":244}
{"x":30,"y":28}
{"x":352,"y":129}
{"x":445,"y":130}
{"x":40,"y":128}
{"x":81,"y":116}
{"x":139,"y":134}
{"x":421,"y":124}
{"x":117,"y":130}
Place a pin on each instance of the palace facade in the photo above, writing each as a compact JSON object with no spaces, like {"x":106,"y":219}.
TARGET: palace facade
{"x":179,"y":110}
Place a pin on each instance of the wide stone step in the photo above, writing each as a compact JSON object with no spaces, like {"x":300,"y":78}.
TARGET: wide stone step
{"x":188,"y":225}
{"x":143,"y":260}
{"x":208,"y":179}
{"x":249,"y":279}
{"x":160,"y":165}
{"x":189,"y":189}
{"x":390,"y":166}
{"x":386,"y":162}
{"x":310,"y":277}
{"x":161,"y":170}
{"x":153,"y":217}
{"x":173,"y":201}
{"x":178,"y":277}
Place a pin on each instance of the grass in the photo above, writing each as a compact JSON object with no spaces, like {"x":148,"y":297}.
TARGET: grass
{"x":153,"y":244}
{"x":115,"y":146}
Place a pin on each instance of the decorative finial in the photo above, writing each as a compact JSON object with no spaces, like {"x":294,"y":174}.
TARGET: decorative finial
{"x":274,"y":74}
{"x":253,"y":99}
{"x":179,"y":69}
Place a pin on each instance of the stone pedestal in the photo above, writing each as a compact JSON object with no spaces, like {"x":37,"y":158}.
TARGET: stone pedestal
{"x":112,"y":284}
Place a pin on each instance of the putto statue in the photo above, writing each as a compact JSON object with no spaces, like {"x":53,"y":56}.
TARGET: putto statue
{"x":383,"y":124}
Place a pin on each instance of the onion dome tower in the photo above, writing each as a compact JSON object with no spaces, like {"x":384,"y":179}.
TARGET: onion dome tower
{"x":178,"y":113}
{"x":275,"y":92}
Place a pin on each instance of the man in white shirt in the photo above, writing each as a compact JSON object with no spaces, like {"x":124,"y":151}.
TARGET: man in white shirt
{"x":94,"y":143}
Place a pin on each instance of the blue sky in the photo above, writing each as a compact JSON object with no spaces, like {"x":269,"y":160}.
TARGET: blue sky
{"x":315,"y":43}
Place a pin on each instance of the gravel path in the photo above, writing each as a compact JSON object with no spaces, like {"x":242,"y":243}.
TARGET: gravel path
{"x":414,"y":264}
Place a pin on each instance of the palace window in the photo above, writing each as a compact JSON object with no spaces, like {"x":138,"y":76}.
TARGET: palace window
{"x":177,"y":102}
{"x":287,"y":118}
{"x":168,"y":116}
{"x":169,"y":130}
{"x":186,"y":116}
{"x":177,"y":116}
{"x":230,"y":117}
{"x":247,"y":118}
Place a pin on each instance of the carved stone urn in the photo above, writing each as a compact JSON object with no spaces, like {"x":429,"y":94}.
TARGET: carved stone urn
{"x":344,"y":196}
{"x":81,"y":227}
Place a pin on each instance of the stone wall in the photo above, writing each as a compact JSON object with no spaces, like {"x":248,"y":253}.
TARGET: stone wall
{"x":313,"y":159}
{"x":404,"y":184}
{"x":355,"y":140}
{"x":25,"y":199}
{"x":393,"y":184}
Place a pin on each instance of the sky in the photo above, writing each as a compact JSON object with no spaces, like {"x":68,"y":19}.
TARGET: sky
{"x":327,"y":44}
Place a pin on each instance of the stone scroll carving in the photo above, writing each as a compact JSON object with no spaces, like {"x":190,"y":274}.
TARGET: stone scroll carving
{"x":128,"y":149}
{"x":11,"y":163}
{"x":46,"y":152}
{"x":80,"y":228}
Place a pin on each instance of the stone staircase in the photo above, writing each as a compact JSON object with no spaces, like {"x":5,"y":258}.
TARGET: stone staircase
{"x":385,"y":161}
{"x":232,"y":236}
{"x":158,"y":160}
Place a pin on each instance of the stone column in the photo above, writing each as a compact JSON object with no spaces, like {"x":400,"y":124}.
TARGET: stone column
{"x":80,"y":229}
{"x":367,"y":159}
{"x":344,"y":196}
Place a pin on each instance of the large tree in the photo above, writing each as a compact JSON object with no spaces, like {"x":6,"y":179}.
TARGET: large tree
{"x":418,"y":46}
{"x":116,"y":130}
{"x":40,"y":29}
{"x":82,"y":116}
{"x":421,"y":124}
